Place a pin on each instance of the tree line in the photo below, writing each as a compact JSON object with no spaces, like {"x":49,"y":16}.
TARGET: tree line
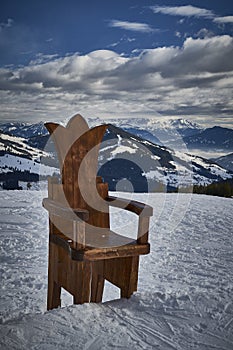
{"x":222,"y":189}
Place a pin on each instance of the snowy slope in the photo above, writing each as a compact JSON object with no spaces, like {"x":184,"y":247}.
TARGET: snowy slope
{"x":225,"y":161}
{"x":18,"y":146}
{"x":10,"y":163}
{"x":16,"y":155}
{"x":177,"y":134}
{"x":184,"y":298}
{"x":126,"y":158}
{"x":25,"y":130}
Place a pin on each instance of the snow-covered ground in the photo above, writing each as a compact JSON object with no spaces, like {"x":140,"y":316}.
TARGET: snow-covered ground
{"x":185,"y":291}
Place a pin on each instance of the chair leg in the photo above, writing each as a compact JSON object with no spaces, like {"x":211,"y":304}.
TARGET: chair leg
{"x":123,"y":273}
{"x":86,"y":279}
{"x":82,"y":283}
{"x":54,"y":296}
{"x":54,"y":290}
{"x":97,"y":282}
{"x":131,"y":280}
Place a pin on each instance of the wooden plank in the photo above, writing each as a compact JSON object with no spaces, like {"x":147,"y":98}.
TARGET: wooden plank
{"x":111,"y":253}
{"x":143,"y":230}
{"x":52,"y":180}
{"x":123,"y":273}
{"x":79,"y":234}
{"x":130,"y":278}
{"x":133,"y":206}
{"x":74,"y":214}
{"x":77,"y":126}
{"x":97,"y":282}
{"x":54,"y":289}
{"x":61,"y":140}
{"x":85,"y":160}
{"x":82,"y":280}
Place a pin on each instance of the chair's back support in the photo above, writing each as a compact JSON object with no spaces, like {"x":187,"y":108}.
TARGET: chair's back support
{"x":77,"y":148}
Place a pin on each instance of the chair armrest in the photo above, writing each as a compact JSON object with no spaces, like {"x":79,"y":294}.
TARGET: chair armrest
{"x":141,"y":209}
{"x":144,"y":212}
{"x":58,"y":209}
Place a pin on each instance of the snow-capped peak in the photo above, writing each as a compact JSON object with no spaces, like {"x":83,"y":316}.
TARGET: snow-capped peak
{"x":184,"y":123}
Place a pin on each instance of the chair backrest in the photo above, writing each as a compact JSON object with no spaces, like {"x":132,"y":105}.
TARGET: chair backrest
{"x":77,"y":147}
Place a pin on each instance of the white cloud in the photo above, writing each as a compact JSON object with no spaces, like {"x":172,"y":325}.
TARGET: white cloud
{"x":133,"y":26}
{"x":191,"y":11}
{"x":204,"y":33}
{"x":178,"y":34}
{"x":225,"y":19}
{"x":123,"y":40}
{"x":195,"y":79}
{"x":7,"y":24}
{"x":186,"y":11}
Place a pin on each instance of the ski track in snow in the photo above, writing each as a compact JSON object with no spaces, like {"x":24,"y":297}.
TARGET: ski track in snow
{"x":184,"y":299}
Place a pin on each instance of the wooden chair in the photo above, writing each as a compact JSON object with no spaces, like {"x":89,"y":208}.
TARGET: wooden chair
{"x":83,"y":251}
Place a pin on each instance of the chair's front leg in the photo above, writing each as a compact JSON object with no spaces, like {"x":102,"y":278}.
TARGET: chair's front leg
{"x":143,"y":229}
{"x":82,"y":282}
{"x":131,"y":277}
{"x":97,"y":282}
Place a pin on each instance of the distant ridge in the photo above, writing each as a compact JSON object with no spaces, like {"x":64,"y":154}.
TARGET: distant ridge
{"x":127,"y":160}
{"x":225,"y":161}
{"x":216,"y":137}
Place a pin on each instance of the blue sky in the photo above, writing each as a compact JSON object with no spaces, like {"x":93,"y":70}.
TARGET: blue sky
{"x":126,"y":58}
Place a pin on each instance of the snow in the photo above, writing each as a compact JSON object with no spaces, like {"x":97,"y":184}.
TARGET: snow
{"x":9,"y":162}
{"x":148,"y":123}
{"x":155,"y":174}
{"x":184,"y":299}
{"x":208,"y":154}
{"x":18,"y":144}
{"x":122,"y":149}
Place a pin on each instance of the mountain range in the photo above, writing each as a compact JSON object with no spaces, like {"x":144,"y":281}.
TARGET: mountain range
{"x":159,"y":132}
{"x":225,"y":161}
{"x":179,"y":134}
{"x":130,"y":158}
{"x":24,"y":130}
{"x":216,"y":137}
{"x":19,"y":160}
{"x":127,"y":161}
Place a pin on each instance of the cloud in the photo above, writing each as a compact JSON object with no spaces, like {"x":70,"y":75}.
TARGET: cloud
{"x":211,"y":54}
{"x":191,"y":11}
{"x":195,"y":79}
{"x":225,"y":19}
{"x":178,"y":34}
{"x":132,"y":26}
{"x":123,"y":40}
{"x":8,"y":24}
{"x":186,"y":11}
{"x":204,"y":33}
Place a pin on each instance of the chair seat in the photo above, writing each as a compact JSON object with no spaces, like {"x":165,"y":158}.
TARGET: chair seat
{"x":100,"y":244}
